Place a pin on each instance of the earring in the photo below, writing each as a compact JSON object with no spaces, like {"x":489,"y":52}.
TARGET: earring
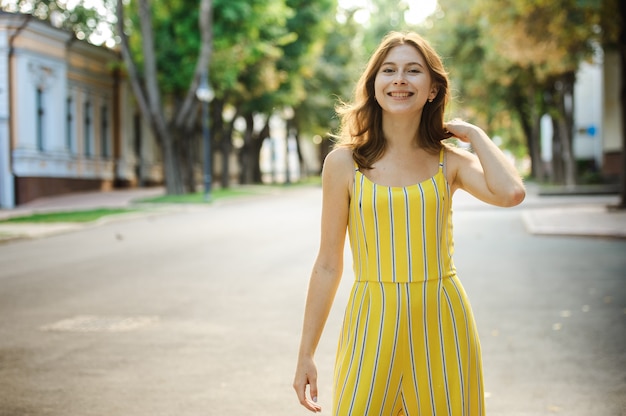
{"x":430,"y":100}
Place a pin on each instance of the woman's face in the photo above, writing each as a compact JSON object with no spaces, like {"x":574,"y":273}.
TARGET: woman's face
{"x":403,"y":83}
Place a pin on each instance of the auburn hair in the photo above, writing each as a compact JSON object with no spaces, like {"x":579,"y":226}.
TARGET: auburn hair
{"x":362,"y":120}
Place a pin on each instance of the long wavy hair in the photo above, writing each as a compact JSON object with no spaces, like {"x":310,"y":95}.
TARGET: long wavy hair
{"x":362,"y":120}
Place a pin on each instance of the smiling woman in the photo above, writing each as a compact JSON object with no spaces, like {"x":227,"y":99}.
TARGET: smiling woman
{"x":409,"y":344}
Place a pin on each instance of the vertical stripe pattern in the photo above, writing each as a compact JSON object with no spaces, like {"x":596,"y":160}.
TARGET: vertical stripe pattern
{"x":409,"y":340}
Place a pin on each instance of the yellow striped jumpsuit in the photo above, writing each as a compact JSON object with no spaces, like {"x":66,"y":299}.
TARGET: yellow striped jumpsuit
{"x":409,"y":344}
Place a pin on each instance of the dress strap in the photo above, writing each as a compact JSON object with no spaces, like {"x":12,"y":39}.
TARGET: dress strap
{"x":442,"y":154}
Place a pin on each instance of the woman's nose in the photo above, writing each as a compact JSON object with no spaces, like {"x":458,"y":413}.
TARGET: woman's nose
{"x":399,"y":78}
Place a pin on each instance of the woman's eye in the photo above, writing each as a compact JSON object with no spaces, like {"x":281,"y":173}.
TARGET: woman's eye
{"x":387,"y":70}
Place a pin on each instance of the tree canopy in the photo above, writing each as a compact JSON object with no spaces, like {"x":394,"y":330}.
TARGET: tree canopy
{"x":510,"y":62}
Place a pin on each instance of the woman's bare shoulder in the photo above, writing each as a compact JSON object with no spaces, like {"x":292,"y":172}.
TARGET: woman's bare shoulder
{"x":457,"y":155}
{"x":339,"y":164}
{"x":340,"y":158}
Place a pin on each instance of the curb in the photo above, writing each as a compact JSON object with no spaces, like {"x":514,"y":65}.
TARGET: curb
{"x":11,"y":232}
{"x":582,"y":221}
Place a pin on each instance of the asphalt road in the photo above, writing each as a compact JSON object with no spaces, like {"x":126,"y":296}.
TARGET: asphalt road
{"x":198,"y":312}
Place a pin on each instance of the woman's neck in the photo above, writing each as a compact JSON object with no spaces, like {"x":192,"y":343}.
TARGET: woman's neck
{"x":401,"y":131}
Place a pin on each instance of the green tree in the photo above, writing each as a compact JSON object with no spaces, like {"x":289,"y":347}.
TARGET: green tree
{"x":261,"y":82}
{"x":385,"y":16}
{"x":525,"y":54}
{"x":534,"y":35}
{"x":171,"y":72}
{"x":282,"y":45}
{"x":264,"y":56}
{"x":335,"y":73}
{"x":313,"y":23}
{"x":88,"y":23}
{"x":146,"y":88}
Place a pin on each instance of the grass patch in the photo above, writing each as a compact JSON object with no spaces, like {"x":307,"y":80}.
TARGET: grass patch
{"x":69,"y":216}
{"x":83,"y":216}
{"x":220,"y":193}
{"x":198,"y":197}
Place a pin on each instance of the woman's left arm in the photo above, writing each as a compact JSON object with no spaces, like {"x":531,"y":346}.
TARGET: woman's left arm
{"x":487,"y":175}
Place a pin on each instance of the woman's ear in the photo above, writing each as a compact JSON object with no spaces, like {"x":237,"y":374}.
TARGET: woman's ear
{"x":433,"y":93}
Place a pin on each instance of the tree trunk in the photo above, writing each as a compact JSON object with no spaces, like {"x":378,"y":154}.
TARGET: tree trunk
{"x":228,"y":137}
{"x":568,"y":128}
{"x":173,"y":177}
{"x":565,"y":171}
{"x":538,"y":169}
{"x":187,"y":115}
{"x":527,"y":128}
{"x":558,"y":170}
{"x":255,"y":154}
{"x":147,"y":92}
{"x":304,"y":171}
{"x":226,"y":150}
{"x":534,"y":140}
{"x":223,"y":132}
{"x":527,"y":106}
{"x":188,"y":152}
{"x":245,"y":163}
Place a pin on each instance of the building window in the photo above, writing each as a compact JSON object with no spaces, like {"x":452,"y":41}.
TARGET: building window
{"x":69,"y":124}
{"x":104,"y":131}
{"x":40,"y":118}
{"x":88,"y":136}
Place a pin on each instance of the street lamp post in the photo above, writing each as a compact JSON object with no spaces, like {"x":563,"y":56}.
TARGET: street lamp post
{"x":205,"y":95}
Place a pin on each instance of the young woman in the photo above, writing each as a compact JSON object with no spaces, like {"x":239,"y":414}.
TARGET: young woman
{"x":409,"y":345}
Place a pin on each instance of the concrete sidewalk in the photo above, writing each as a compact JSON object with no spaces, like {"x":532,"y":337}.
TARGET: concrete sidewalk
{"x":70,"y":202}
{"x":574,"y":214}
{"x":584,"y":220}
{"x":83,"y":200}
{"x":567,"y":215}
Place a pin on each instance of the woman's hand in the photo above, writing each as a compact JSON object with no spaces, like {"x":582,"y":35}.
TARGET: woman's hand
{"x":486,"y":172}
{"x":306,"y":374}
{"x":460,"y":129}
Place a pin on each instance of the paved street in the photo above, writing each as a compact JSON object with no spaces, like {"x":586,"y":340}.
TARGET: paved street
{"x":198,"y":312}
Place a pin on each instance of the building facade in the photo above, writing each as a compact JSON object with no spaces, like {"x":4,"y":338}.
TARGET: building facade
{"x":597,"y":142}
{"x":67,"y":117}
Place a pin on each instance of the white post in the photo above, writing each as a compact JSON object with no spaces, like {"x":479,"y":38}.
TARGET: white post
{"x":7,"y":191}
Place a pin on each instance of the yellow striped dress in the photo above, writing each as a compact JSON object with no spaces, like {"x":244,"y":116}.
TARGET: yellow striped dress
{"x":409,"y":344}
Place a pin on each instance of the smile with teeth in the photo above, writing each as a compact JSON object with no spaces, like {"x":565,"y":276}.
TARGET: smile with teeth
{"x":400,"y":94}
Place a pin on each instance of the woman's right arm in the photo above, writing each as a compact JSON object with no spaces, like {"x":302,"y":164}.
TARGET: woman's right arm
{"x":327,"y":270}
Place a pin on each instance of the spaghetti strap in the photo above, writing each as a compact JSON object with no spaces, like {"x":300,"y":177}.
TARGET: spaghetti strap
{"x":442,"y":166}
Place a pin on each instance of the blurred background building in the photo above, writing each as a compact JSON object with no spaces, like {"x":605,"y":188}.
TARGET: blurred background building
{"x":67,"y":117}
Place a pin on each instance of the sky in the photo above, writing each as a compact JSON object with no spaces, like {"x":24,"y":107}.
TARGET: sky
{"x":418,"y":11}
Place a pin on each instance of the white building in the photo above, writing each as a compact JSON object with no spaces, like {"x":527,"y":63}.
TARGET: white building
{"x":67,"y":118}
